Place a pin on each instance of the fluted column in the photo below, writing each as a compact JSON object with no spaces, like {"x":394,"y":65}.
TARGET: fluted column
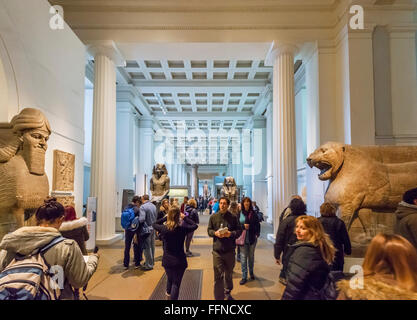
{"x":103,"y":158}
{"x":145,"y":155}
{"x":194,"y":182}
{"x":281,"y":56}
{"x":259,"y":163}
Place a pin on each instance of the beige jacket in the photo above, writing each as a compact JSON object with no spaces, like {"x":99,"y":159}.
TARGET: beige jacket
{"x":66,"y":254}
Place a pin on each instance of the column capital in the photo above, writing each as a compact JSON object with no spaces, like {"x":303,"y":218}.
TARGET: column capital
{"x":277,"y":48}
{"x":402,"y":31}
{"x":145,"y":122}
{"x":259,"y":122}
{"x":106,"y":48}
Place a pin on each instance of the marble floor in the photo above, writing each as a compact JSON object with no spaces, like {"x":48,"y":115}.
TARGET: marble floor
{"x":112,"y":282}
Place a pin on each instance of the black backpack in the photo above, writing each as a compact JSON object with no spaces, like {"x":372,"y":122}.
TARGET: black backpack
{"x":329,"y":290}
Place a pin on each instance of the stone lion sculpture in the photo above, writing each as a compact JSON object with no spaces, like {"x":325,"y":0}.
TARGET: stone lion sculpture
{"x":229,"y":189}
{"x":371,"y":177}
{"x":24,"y":184}
{"x":160,"y":182}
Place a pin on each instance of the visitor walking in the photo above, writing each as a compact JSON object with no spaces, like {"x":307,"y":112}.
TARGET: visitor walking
{"x":174,"y":259}
{"x":130,"y":236}
{"x":285,"y":235}
{"x":337,"y":231}
{"x":224,"y":228}
{"x":192,"y":213}
{"x":251,"y":231}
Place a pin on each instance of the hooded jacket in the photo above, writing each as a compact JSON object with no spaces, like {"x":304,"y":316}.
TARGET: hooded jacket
{"x":76,"y":230}
{"x":406,"y":222}
{"x":66,"y":254}
{"x":192,"y":213}
{"x":375,"y":287}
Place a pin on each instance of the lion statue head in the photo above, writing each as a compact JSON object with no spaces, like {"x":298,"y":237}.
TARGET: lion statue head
{"x":229,"y":182}
{"x":328,"y":158}
{"x":159,"y":169}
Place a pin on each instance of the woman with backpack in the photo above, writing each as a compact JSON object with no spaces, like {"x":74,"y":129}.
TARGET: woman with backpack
{"x":44,"y":243}
{"x":249,"y":221}
{"x":174,"y":260}
{"x":309,"y":262}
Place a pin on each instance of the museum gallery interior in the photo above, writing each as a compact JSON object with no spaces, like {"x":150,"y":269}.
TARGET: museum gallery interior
{"x":263,"y":99}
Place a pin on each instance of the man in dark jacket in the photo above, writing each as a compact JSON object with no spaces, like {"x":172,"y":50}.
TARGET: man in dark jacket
{"x":286,"y":236}
{"x":406,"y":224}
{"x":129,"y":235}
{"x":223,"y":248}
{"x":337,"y":231}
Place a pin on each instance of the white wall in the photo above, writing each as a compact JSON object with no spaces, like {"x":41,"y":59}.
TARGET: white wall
{"x":44,"y":69}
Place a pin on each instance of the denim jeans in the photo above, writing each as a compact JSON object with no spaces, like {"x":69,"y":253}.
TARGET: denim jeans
{"x":247,"y":256}
{"x":149,"y":250}
{"x":174,"y":276}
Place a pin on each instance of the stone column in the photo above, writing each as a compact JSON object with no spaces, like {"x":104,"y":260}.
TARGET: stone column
{"x":145,"y":155}
{"x":259,"y":163}
{"x":194,"y":182}
{"x":281,"y":56}
{"x":403,"y":83}
{"x":269,"y":173}
{"x":103,"y":159}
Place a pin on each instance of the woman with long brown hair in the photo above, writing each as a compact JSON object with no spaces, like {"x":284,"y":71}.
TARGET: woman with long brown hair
{"x":310,"y":260}
{"x":389,"y":271}
{"x":174,"y":260}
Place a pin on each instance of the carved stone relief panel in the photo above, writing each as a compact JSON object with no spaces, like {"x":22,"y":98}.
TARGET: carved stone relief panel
{"x":64,"y":166}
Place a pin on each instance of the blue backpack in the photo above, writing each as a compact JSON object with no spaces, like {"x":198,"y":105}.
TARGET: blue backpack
{"x":128,"y":215}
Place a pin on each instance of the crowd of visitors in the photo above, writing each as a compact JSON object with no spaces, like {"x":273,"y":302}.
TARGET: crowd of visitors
{"x":311,"y":251}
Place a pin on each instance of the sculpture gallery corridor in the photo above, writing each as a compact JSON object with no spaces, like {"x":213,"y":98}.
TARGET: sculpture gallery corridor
{"x":208,"y":150}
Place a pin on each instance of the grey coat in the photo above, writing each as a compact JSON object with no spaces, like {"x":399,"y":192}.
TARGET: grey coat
{"x":406,"y":222}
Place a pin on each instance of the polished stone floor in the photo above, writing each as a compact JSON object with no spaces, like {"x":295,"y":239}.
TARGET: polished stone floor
{"x":112,"y":282}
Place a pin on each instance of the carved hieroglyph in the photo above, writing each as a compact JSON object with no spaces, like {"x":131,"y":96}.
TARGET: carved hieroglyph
{"x":64,"y":166}
{"x":229,"y":189}
{"x":24,"y":184}
{"x":160,"y":182}
{"x":365,"y":177}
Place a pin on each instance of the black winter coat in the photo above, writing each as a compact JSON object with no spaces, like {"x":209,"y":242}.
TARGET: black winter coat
{"x":307,"y":272}
{"x":254,"y":230}
{"x":336,"y":229}
{"x":192,"y":213}
{"x":173,"y":242}
{"x":285,"y":237}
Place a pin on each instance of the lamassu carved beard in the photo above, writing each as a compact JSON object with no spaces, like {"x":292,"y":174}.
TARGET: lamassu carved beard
{"x":35,"y":159}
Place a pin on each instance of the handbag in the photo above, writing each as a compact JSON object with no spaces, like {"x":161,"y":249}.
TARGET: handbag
{"x":241,"y":240}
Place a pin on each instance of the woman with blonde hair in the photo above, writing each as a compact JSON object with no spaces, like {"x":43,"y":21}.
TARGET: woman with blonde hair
{"x":310,"y":260}
{"x":389,"y":269}
{"x":173,"y":234}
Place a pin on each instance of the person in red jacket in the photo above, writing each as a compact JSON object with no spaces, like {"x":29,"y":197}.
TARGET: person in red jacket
{"x":183,"y":204}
